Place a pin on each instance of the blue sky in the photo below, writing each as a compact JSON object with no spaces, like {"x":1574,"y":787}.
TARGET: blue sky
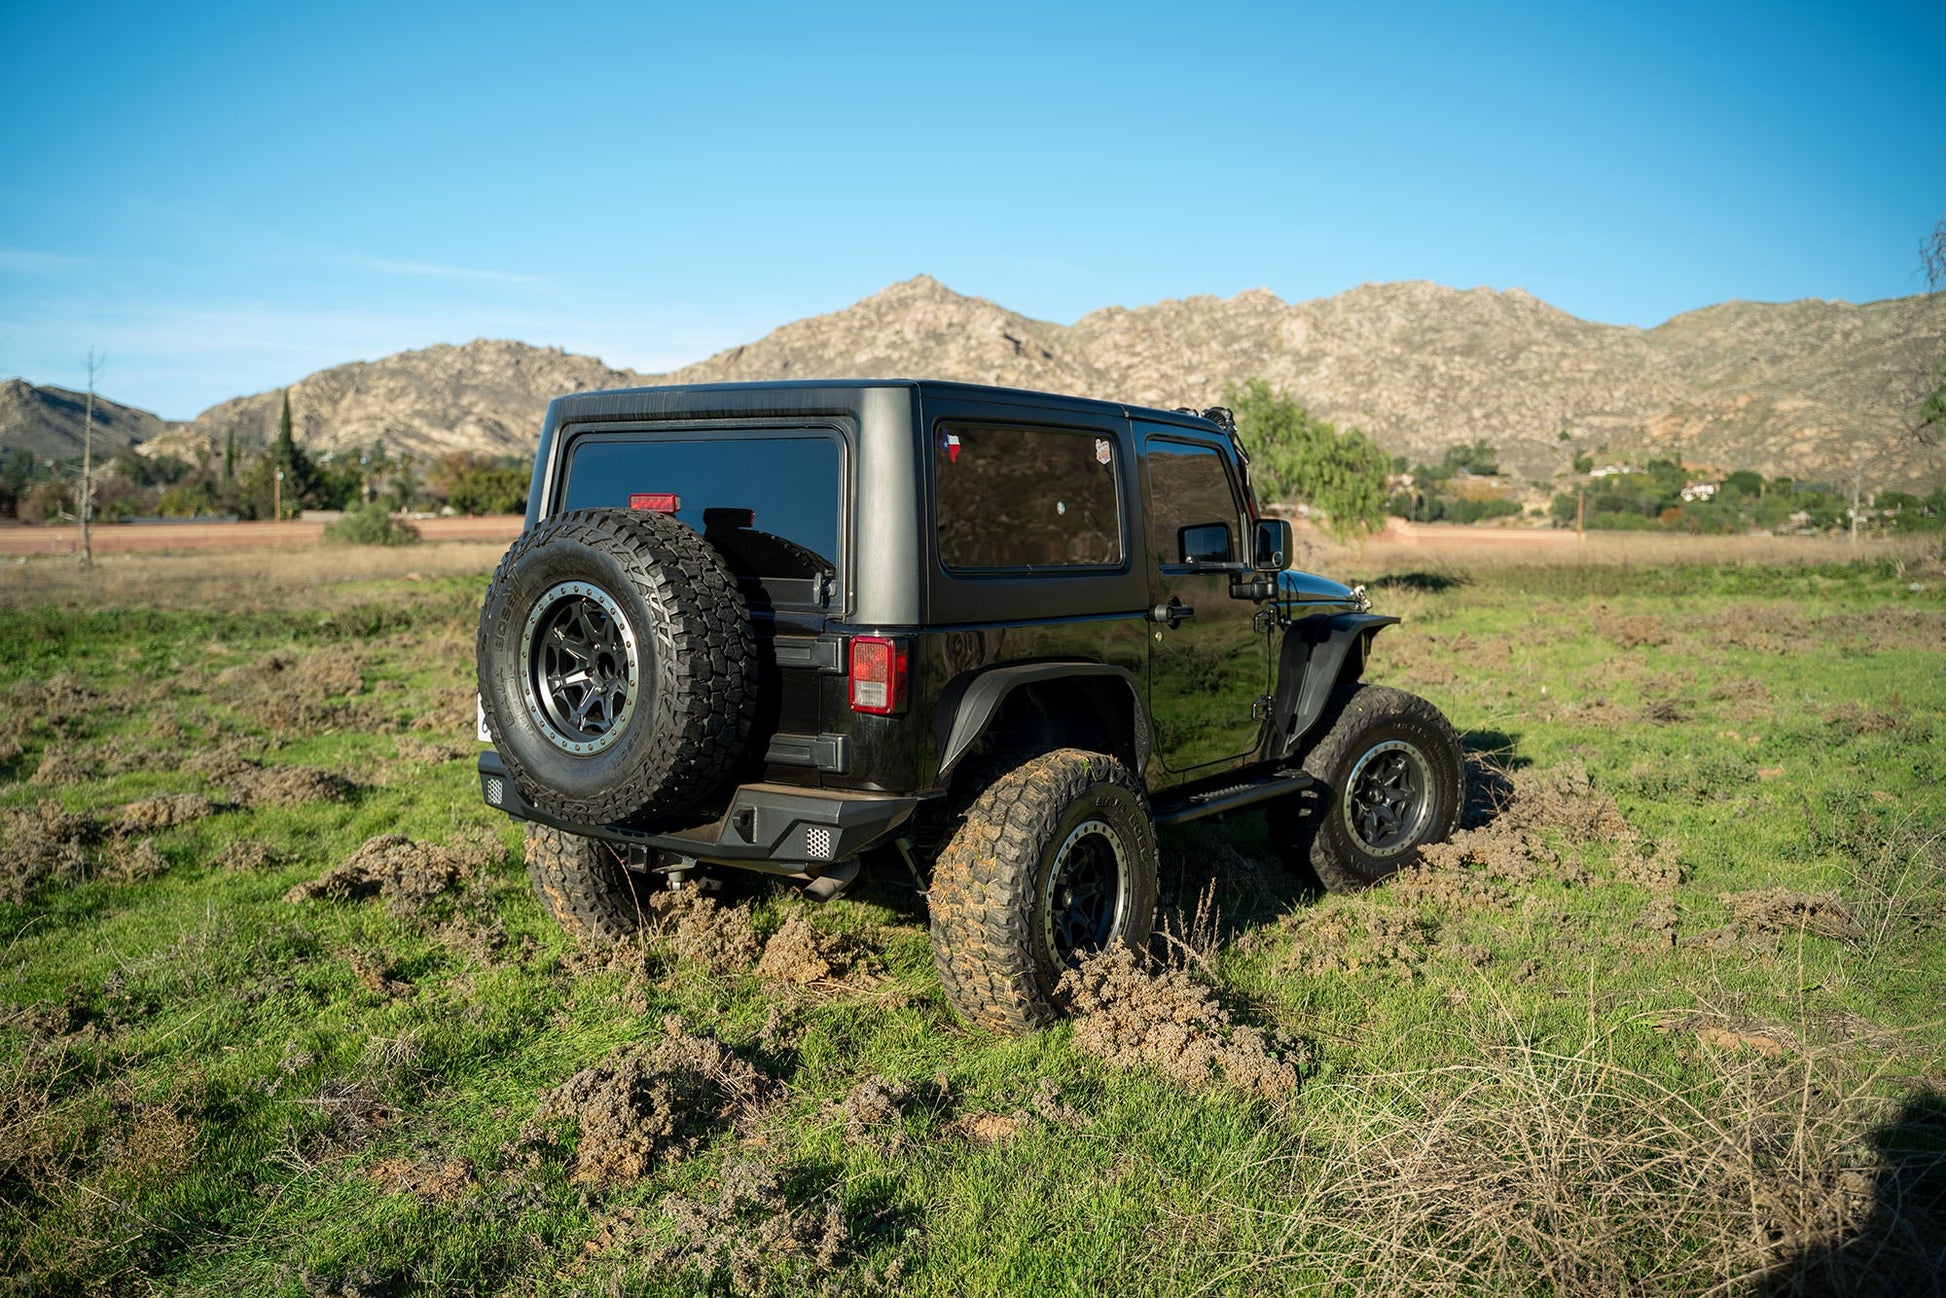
{"x":223,"y":198}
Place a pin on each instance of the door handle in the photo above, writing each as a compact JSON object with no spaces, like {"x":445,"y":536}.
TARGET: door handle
{"x":1172,"y":613}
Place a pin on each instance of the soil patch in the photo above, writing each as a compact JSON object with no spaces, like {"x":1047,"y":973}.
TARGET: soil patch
{"x":425,"y":752}
{"x":640,"y":1107}
{"x":751,"y":1235}
{"x":1779,"y":910}
{"x":305,"y":695}
{"x":249,"y":854}
{"x":439,"y":1182}
{"x":45,"y":843}
{"x":408,"y":876}
{"x":1131,"y":1017}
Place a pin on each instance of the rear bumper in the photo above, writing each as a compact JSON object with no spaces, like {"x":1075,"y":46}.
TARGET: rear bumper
{"x":777,"y":829}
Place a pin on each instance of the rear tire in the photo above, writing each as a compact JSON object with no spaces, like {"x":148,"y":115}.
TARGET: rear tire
{"x":1389,"y":777}
{"x":582,"y":883}
{"x":1055,"y":860}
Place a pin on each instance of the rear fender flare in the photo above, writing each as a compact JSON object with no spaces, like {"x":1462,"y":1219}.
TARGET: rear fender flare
{"x":972,"y":702}
{"x":1318,"y":655}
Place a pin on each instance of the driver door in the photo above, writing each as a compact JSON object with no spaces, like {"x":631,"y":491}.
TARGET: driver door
{"x":1209,"y":665}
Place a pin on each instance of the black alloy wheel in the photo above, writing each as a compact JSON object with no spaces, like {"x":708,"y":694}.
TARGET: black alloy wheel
{"x":583,"y":672}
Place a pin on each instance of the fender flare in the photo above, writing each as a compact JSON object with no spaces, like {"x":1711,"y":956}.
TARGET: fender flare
{"x":1318,"y":653}
{"x":971,"y":702}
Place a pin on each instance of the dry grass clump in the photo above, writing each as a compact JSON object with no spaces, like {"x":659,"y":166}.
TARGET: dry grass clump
{"x":641,"y":1106}
{"x":702,"y":930}
{"x":408,"y":876}
{"x":1529,"y":1170}
{"x":426,"y":752}
{"x":63,"y":706}
{"x":1131,"y":1017}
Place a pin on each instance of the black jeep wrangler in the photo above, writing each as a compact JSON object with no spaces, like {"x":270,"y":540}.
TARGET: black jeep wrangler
{"x":991,"y":637}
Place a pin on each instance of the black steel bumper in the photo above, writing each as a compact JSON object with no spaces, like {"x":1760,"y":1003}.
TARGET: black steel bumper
{"x":775,"y":828}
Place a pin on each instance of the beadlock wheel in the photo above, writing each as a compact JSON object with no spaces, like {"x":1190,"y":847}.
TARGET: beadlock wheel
{"x":582,"y":673}
{"x":1387,"y":798}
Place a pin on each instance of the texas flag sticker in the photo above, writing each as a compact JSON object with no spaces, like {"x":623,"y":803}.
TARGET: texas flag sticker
{"x":951,"y":446}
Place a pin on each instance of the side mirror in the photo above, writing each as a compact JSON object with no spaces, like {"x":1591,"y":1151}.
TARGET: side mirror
{"x":1271,"y":545}
{"x":1205,"y":543}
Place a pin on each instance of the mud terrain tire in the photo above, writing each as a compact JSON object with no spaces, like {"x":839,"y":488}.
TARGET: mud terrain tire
{"x":617,"y":665}
{"x":582,"y":883}
{"x":1056,"y":858}
{"x":1389,"y":777}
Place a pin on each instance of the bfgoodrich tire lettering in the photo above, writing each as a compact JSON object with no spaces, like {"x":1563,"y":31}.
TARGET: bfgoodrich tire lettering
{"x":656,"y":610}
{"x":1056,"y":858}
{"x":1389,"y":777}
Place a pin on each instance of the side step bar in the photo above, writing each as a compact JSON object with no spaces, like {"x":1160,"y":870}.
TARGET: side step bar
{"x":1233,"y":797}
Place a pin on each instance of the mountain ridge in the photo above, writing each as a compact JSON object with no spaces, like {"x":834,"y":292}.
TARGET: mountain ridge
{"x":1805,"y":388}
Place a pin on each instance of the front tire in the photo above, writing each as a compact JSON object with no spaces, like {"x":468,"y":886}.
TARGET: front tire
{"x":1389,"y":777}
{"x":1055,"y":860}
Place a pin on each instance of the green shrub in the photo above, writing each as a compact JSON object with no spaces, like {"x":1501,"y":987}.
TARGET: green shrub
{"x":371,"y":524}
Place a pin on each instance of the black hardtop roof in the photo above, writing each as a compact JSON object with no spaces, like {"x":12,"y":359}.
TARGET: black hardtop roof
{"x":783,"y":395}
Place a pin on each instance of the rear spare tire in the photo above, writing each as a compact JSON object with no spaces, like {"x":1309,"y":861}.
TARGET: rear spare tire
{"x":617,"y":665}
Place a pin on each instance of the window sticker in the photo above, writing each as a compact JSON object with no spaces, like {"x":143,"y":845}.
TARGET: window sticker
{"x":950,"y":445}
{"x":1104,"y":450}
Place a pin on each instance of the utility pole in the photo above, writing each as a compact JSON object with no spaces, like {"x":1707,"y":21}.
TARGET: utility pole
{"x":1580,"y":508}
{"x":87,"y":503}
{"x":1857,"y":473}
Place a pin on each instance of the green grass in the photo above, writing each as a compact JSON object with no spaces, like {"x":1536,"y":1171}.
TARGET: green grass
{"x":201,"y":1092}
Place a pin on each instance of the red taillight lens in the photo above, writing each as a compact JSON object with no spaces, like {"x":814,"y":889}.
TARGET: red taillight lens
{"x":877,"y":675}
{"x":655,"y":502}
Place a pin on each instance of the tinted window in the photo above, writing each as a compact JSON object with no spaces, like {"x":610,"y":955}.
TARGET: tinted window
{"x":770,"y":505}
{"x":1188,"y":493}
{"x":1026,"y":498}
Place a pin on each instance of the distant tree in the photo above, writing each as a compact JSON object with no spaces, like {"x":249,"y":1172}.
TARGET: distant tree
{"x":229,"y":459}
{"x":1479,"y":457}
{"x":1930,"y":425}
{"x":1298,"y":456}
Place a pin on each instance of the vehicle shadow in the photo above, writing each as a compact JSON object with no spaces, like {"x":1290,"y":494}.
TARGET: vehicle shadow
{"x":1433,"y":583}
{"x":1899,"y":1248}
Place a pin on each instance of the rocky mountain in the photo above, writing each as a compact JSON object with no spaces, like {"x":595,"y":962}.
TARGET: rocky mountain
{"x":49,"y":422}
{"x":1805,"y":388}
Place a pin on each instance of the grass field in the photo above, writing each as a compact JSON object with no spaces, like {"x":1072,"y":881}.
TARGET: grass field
{"x":1666,"y":1019}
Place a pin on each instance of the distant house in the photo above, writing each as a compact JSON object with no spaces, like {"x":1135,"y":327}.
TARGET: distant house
{"x":1699,"y":491}
{"x":1610,"y":470}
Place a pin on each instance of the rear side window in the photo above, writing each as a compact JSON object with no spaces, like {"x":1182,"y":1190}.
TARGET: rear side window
{"x":1192,"y":509}
{"x":770,"y":504}
{"x":1026,"y":498}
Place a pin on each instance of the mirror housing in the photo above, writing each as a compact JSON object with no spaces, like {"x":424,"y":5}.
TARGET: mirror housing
{"x":1271,"y":545}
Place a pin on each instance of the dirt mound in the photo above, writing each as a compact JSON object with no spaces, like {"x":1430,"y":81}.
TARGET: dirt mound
{"x":875,"y":1103}
{"x":1130,"y":1017}
{"x":152,"y":814}
{"x":138,"y":864}
{"x":425,"y":752}
{"x":301,"y":694}
{"x":405,"y":874}
{"x":63,"y":704}
{"x":1509,"y":846}
{"x":752,"y":1236}
{"x":638,"y":1107}
{"x":288,"y":786}
{"x":1332,"y":942}
{"x":64,"y":765}
{"x":797,"y":953}
{"x":250,"y":854}
{"x":701,"y":929}
{"x":1779,"y":910}
{"x":45,"y":843}
{"x":226,"y":761}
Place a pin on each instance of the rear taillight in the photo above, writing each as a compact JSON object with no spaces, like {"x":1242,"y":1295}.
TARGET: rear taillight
{"x":877,"y":675}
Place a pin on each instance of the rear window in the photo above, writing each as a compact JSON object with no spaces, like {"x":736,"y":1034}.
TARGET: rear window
{"x":768,"y":503}
{"x":1012,"y":498}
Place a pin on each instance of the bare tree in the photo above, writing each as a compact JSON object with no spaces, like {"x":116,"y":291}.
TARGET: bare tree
{"x":86,"y":503}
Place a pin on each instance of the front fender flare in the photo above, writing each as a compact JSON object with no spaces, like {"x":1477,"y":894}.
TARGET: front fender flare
{"x":1318,"y":653}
